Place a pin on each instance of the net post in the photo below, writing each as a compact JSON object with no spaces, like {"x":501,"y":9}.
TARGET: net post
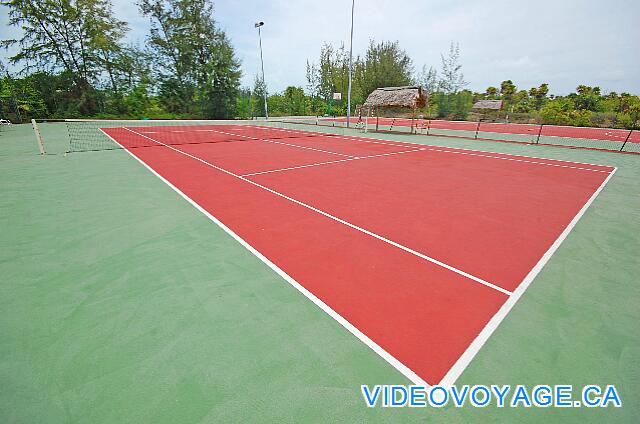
{"x":38,"y":137}
{"x":477,"y":130}
{"x":413,"y":119}
{"x":539,"y":133}
{"x":366,"y":120}
{"x":625,"y":141}
{"x":428,"y":126}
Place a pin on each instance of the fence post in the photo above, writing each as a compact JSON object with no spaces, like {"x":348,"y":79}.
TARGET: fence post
{"x":539,"y":132}
{"x":625,"y":141}
{"x":477,"y":129}
{"x":38,"y":136}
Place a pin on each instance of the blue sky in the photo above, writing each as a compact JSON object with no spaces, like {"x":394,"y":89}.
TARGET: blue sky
{"x":562,"y":42}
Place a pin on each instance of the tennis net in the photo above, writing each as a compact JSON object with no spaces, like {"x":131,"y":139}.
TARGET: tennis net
{"x":609,"y":139}
{"x":94,"y":135}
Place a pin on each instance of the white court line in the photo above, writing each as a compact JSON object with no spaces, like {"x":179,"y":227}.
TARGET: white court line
{"x":335,"y":218}
{"x":298,"y":167}
{"x":473,"y":152}
{"x":330,"y":162}
{"x":302,"y":134}
{"x":465,"y":359}
{"x":395,"y":143}
{"x":518,"y":160}
{"x":483,"y":154}
{"x":268,"y":140}
{"x":403,"y":369}
{"x":479,"y":153}
{"x":444,"y":150}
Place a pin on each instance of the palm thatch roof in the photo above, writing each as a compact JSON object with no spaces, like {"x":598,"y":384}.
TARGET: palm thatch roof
{"x":488,"y":104}
{"x":408,"y":96}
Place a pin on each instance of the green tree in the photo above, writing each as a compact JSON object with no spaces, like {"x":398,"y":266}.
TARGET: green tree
{"x":69,"y":35}
{"x":331,"y":75}
{"x":629,"y":115}
{"x":634,"y":113}
{"x":462,"y":103}
{"x":277,"y":105}
{"x":557,"y":112}
{"x":452,"y":79}
{"x":127,"y":67}
{"x":243,"y":104}
{"x":295,"y":101}
{"x":313,"y":87}
{"x":491,"y":92}
{"x":26,"y":94}
{"x":196,"y":64}
{"x":428,"y":79}
{"x":137,"y":102}
{"x":507,"y":90}
{"x":522,"y":102}
{"x":326,"y":69}
{"x":221,"y":81}
{"x":257,"y":97}
{"x":587,"y":98}
{"x":451,"y":82}
{"x":385,"y":65}
{"x":539,"y":95}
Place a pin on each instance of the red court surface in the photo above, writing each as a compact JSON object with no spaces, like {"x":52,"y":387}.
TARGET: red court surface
{"x":413,"y":248}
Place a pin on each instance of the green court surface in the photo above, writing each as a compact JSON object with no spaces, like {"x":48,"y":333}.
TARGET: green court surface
{"x":120,"y":302}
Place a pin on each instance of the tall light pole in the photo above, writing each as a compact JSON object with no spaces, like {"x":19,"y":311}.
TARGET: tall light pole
{"x":353,"y":2}
{"x":264,"y":85}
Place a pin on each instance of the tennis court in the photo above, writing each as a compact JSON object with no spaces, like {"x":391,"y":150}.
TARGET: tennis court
{"x":608,"y":139}
{"x":418,"y":251}
{"x":281,"y":268}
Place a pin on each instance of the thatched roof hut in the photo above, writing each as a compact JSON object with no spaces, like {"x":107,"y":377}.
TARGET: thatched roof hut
{"x":408,"y":96}
{"x":488,"y":104}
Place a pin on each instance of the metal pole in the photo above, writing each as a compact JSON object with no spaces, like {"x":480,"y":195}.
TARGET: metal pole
{"x":625,"y":141}
{"x":353,"y":2}
{"x":539,"y":133}
{"x":264,"y":84}
{"x":38,"y":137}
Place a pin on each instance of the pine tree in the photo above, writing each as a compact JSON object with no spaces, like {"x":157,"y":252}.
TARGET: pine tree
{"x":196,"y":64}
{"x":73,"y":36}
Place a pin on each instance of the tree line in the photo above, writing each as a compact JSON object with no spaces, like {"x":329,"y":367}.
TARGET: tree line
{"x":76,"y":63}
{"x":385,"y":64}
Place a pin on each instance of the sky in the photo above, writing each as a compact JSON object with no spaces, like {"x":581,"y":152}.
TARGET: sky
{"x":561,"y":42}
